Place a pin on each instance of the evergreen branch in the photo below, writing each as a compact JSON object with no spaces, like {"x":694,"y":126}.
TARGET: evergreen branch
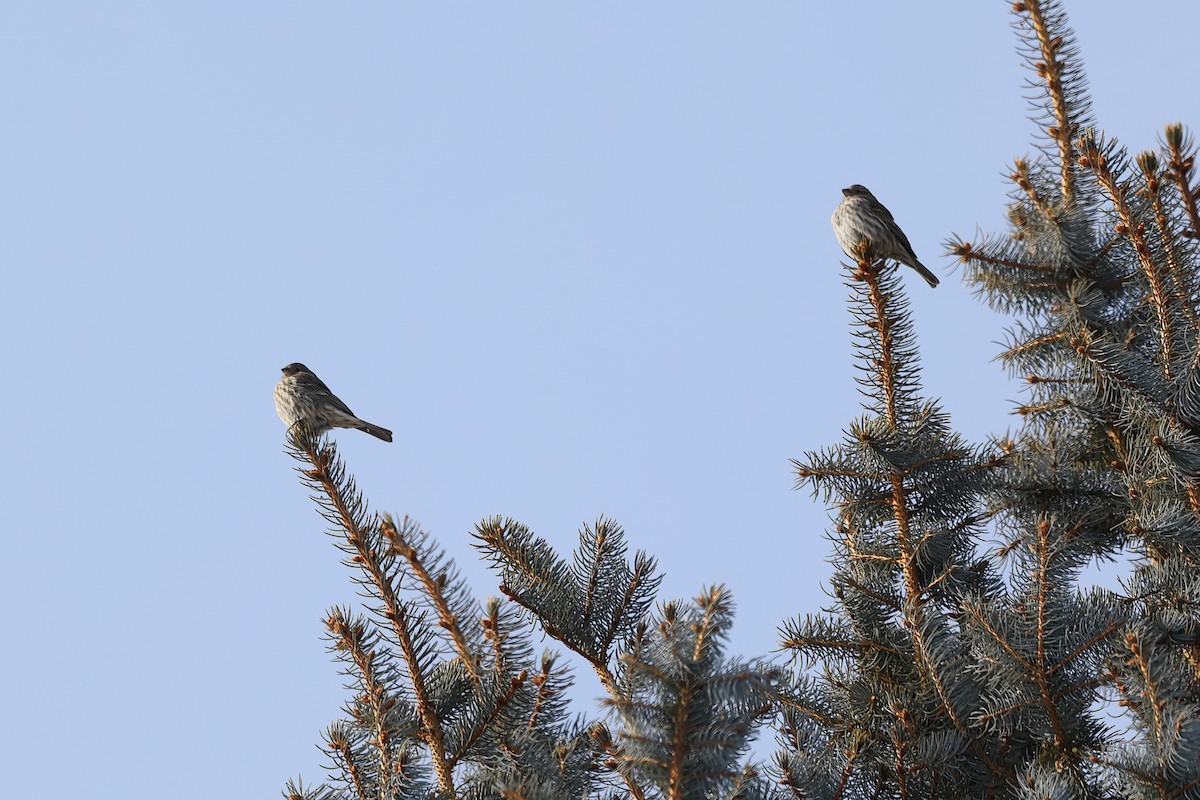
{"x":999,"y":639}
{"x":948,"y":572}
{"x":434,"y":588}
{"x":431,"y":726}
{"x":537,"y":580}
{"x":482,"y":726}
{"x":1040,"y":676}
{"x":1182,"y":152}
{"x":1085,"y":646}
{"x":1050,"y":70}
{"x":510,"y":648}
{"x":853,"y":754}
{"x":746,"y":785}
{"x":868,"y":273}
{"x":968,"y":254}
{"x":1074,"y":380}
{"x":687,"y":713}
{"x":805,"y":472}
{"x":679,"y":747}
{"x":1193,"y":497}
{"x":716,"y":607}
{"x":876,"y":596}
{"x":1044,"y":408}
{"x":936,"y":677}
{"x":1146,"y":778}
{"x":1094,"y":158}
{"x":1000,"y":712}
{"x":298,"y":791}
{"x":1176,"y":270}
{"x":1078,"y":686}
{"x":325,"y":469}
{"x":1157,"y":782}
{"x":949,"y":455}
{"x":616,"y":760}
{"x":643,"y":567}
{"x":1101,"y":254}
{"x":593,"y":573}
{"x":858,"y":555}
{"x":1020,"y":176}
{"x":353,"y":639}
{"x":825,"y":720}
{"x":802,"y":642}
{"x":339,"y":743}
{"x":899,"y":746}
{"x":1149,"y":684}
{"x":491,"y":624}
{"x":598,"y":664}
{"x":541,"y":683}
{"x":542,"y":579}
{"x":1058,"y":337}
{"x":907,"y":559}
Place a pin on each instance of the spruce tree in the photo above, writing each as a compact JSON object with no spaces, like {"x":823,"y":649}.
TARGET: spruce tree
{"x":962,"y":654}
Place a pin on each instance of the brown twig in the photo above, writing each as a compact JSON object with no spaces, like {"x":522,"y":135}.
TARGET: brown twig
{"x":1176,"y":272}
{"x":339,"y":744}
{"x":350,"y":639}
{"x":394,"y":610}
{"x":1182,"y":159}
{"x":967,"y":253}
{"x":1039,"y":674}
{"x":514,"y":686}
{"x":868,"y":273}
{"x":1050,"y":70}
{"x":1092,"y":157}
{"x":434,"y":588}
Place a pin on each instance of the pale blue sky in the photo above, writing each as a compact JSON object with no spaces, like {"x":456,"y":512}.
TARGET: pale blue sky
{"x":577,"y":256}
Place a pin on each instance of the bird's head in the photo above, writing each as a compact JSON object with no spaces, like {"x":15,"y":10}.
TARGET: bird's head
{"x":293,"y":368}
{"x":857,"y":190}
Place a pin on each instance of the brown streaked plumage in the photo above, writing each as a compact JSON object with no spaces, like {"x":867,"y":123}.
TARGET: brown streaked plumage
{"x":861,"y":217}
{"x":301,"y":398}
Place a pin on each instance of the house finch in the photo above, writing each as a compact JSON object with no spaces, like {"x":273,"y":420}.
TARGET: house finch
{"x":861,"y":217}
{"x":301,"y":398}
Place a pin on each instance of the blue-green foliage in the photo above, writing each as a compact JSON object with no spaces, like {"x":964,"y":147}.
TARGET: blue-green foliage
{"x":687,"y":712}
{"x":962,"y":654}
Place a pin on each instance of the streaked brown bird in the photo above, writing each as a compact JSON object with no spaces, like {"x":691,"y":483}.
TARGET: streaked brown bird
{"x":861,"y":217}
{"x":301,"y":398}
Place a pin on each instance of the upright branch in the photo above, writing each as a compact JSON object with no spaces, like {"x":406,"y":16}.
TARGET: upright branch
{"x":891,"y":366}
{"x":589,"y":604}
{"x":688,"y":712}
{"x":361,"y":534}
{"x":887,"y":378}
{"x":1051,"y":61}
{"x":1129,"y":225}
{"x":884,"y":341}
{"x":1181,"y":282}
{"x":906,"y":491}
{"x":434,"y":584}
{"x":885,"y":375}
{"x":449,"y":700}
{"x":1181,"y":161}
{"x":375,"y":708}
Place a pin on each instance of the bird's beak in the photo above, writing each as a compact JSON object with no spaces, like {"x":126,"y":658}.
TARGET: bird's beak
{"x":845,"y":192}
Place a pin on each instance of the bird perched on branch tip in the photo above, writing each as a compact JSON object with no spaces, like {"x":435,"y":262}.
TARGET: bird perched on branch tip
{"x":860,"y":217}
{"x":301,"y":398}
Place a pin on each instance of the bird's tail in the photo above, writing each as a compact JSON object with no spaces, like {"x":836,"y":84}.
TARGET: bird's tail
{"x":376,"y":431}
{"x":929,"y":277}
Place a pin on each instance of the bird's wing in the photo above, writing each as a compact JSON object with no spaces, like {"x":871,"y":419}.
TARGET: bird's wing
{"x":313,"y":382}
{"x":883,"y":212}
{"x":904,"y":240}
